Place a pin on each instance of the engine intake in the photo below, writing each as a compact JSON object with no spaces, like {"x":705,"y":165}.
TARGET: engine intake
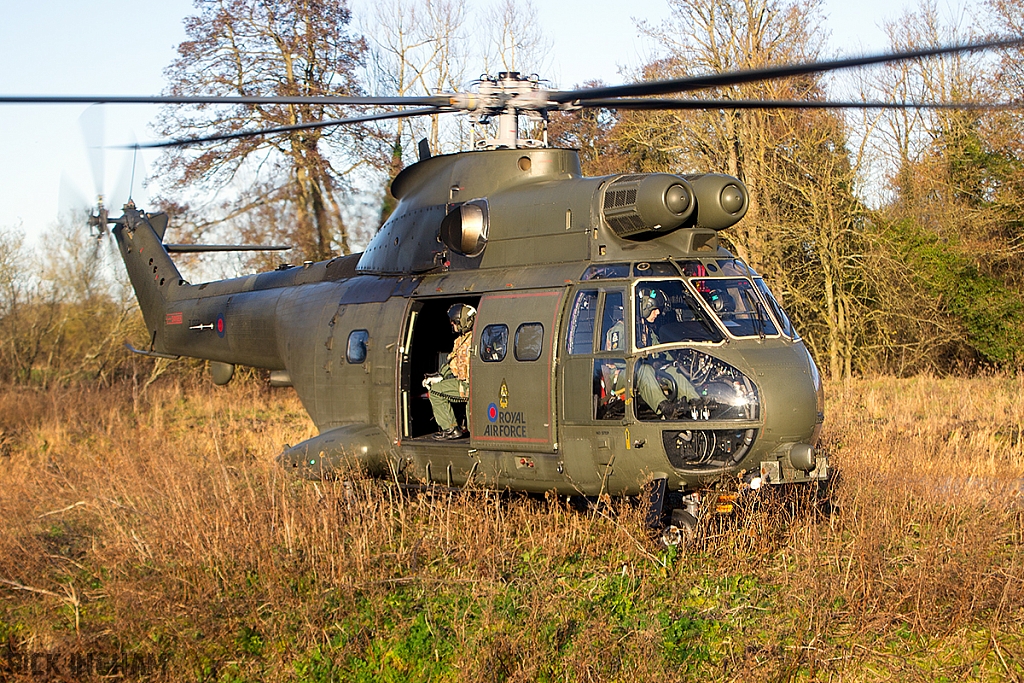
{"x":647,"y":205}
{"x":464,"y":229}
{"x":721,"y":200}
{"x":636,"y":205}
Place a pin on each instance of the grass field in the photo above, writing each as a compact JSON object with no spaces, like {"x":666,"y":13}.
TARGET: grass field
{"x":152,"y":538}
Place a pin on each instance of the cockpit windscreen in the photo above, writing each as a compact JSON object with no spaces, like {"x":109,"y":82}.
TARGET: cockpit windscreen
{"x":737,"y":305}
{"x":666,"y":312}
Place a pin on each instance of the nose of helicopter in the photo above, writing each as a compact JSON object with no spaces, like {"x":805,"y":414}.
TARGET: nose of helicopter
{"x":790,"y":388}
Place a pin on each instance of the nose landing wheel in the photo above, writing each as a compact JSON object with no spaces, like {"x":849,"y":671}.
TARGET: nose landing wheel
{"x":681,"y":529}
{"x":681,"y":526}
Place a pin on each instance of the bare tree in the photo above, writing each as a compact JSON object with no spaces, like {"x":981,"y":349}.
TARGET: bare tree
{"x":592,"y":132}
{"x":725,"y":35}
{"x":12,"y":275}
{"x":268,"y":47}
{"x":1006,"y":137}
{"x":63,"y":313}
{"x":804,"y":227}
{"x":953,"y":217}
{"x":418,"y":47}
{"x":516,"y":41}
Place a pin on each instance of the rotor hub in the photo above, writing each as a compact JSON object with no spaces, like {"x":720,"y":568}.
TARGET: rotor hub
{"x":504,"y":98}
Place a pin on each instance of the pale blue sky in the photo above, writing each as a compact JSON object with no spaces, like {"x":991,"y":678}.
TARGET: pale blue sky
{"x":122,"y":47}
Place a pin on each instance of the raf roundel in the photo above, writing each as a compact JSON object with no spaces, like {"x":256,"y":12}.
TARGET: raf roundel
{"x":220,"y":325}
{"x":492,"y":413}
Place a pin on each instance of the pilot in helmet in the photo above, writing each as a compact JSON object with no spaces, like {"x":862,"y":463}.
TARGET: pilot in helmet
{"x":651,"y":304}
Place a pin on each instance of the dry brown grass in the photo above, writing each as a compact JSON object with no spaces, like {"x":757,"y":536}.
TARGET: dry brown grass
{"x":167,"y":539}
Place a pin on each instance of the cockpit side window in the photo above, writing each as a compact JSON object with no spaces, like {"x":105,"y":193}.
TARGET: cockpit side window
{"x":609,"y":388}
{"x":666,"y":312}
{"x":780,"y":315}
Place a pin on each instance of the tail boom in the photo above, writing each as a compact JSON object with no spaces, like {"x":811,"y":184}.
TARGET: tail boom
{"x":225,"y":321}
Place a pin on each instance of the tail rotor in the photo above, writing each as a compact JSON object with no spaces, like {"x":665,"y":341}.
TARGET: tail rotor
{"x":98,"y":221}
{"x":92,"y":123}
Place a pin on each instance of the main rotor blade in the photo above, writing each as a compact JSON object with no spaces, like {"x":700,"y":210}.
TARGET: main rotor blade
{"x":184,"y":142}
{"x":694,"y":104}
{"x":690,"y":83}
{"x":203,"y":248}
{"x":432,"y":100}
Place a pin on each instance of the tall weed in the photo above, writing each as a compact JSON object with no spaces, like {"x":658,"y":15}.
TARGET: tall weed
{"x":157,"y":537}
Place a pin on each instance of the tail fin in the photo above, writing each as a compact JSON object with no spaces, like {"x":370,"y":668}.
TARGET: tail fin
{"x":152,"y":273}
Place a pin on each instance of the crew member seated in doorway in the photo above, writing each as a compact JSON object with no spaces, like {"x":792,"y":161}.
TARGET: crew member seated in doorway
{"x":451,"y":384}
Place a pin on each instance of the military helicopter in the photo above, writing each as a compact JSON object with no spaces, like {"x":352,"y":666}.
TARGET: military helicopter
{"x":617,"y":347}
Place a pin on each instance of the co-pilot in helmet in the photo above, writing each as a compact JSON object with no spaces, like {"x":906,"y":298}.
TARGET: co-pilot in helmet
{"x":720,"y":300}
{"x":462,"y":316}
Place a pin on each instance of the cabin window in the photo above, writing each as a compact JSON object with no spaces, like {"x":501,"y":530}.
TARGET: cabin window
{"x":581,"y":322}
{"x":613,"y":324}
{"x":609,"y":388}
{"x":529,"y":341}
{"x":606,"y":271}
{"x":493,"y":343}
{"x":356,"y":351}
